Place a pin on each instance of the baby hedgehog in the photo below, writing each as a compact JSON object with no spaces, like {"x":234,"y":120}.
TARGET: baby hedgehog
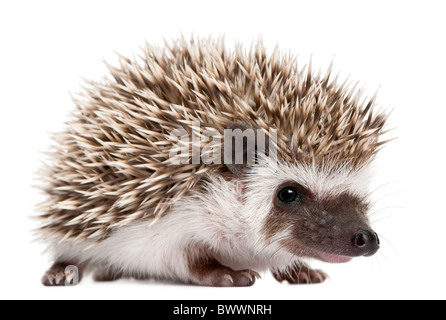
{"x":144,"y":182}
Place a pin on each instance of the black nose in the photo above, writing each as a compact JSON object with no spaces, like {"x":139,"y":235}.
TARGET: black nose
{"x":366,"y":241}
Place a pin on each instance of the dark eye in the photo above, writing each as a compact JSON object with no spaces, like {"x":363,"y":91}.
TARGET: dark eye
{"x":289,"y":194}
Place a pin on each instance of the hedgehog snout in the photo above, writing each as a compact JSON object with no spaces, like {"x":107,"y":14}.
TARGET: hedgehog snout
{"x":366,"y":242}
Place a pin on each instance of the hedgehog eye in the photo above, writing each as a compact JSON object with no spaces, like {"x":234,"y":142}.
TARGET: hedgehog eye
{"x":289,"y":194}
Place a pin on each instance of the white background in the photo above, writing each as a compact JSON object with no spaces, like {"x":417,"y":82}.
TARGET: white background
{"x":47,"y":47}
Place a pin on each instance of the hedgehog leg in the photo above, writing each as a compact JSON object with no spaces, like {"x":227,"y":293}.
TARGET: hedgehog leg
{"x":63,"y":274}
{"x":207,"y":271}
{"x":106,"y":275}
{"x":300,"y":274}
{"x":216,"y":275}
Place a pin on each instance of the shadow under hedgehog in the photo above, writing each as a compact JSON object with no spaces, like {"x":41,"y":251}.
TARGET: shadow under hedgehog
{"x":117,"y":205}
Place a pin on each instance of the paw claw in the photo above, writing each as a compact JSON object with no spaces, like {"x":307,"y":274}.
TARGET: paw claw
{"x":69,"y":276}
{"x":59,"y":277}
{"x":228,"y":278}
{"x":303,"y":277}
{"x":50,"y":279}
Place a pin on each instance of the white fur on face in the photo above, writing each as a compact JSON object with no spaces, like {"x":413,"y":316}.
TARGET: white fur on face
{"x":323,"y":181}
{"x":228,"y":217}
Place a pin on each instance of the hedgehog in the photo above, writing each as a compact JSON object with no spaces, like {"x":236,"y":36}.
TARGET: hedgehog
{"x":199,"y":164}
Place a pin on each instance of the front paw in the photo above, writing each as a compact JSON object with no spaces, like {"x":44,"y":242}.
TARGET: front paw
{"x":300,"y":275}
{"x":225,"y":277}
{"x":229,"y":278}
{"x":206,"y":270}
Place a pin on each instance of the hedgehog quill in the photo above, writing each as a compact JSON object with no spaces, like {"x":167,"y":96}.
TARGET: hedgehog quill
{"x":127,"y":196}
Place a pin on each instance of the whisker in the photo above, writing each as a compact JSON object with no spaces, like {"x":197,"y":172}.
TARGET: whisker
{"x":382,"y":254}
{"x":382,"y":218}
{"x":387,"y":195}
{"x":374,"y":212}
{"x":282,"y":245}
{"x":390,"y":244}
{"x":383,"y":185}
{"x":268,"y":244}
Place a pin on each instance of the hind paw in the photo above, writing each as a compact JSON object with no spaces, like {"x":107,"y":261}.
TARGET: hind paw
{"x":61,"y":275}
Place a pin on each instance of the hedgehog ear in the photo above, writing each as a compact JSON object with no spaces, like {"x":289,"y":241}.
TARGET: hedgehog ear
{"x":240,"y":142}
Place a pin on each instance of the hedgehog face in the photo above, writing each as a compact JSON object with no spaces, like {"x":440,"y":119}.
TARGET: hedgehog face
{"x":333,"y":228}
{"x":317,"y":212}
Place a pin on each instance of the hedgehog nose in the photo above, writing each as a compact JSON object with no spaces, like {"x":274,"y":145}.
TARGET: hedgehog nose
{"x":366,"y":241}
